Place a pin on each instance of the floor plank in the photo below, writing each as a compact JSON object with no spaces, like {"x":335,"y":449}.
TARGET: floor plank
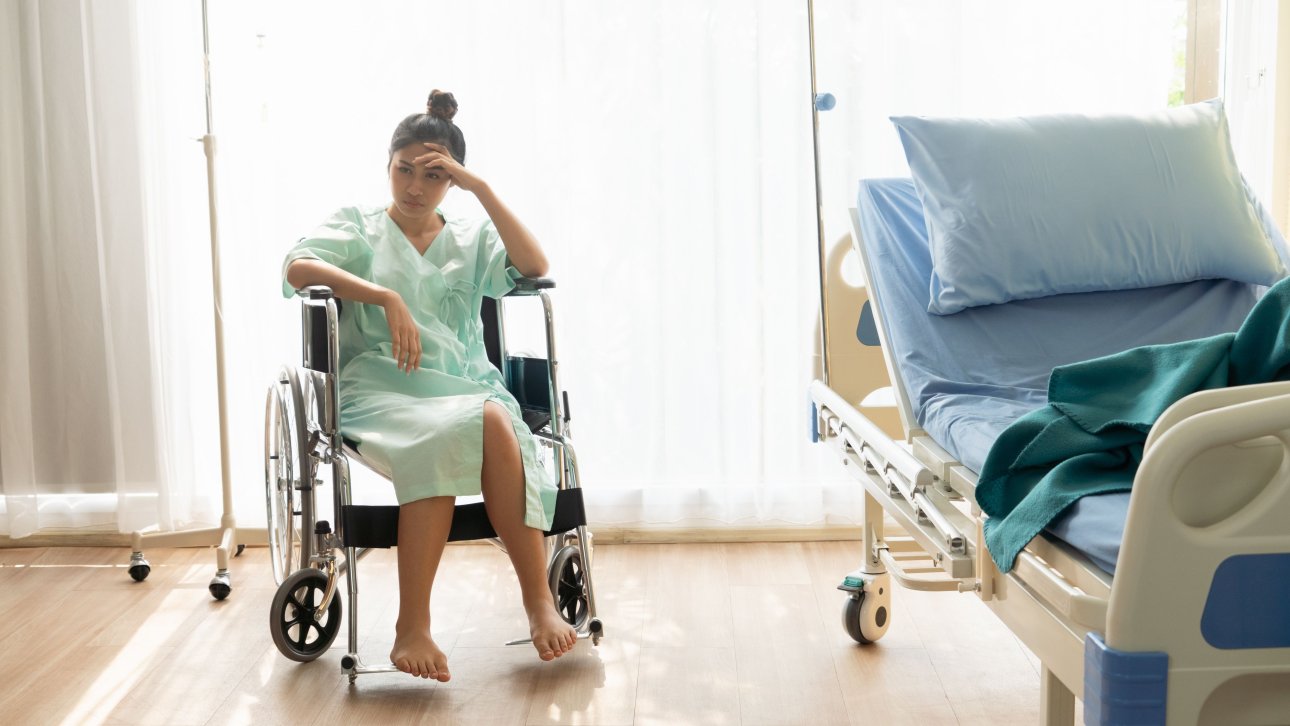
{"x":703,"y":633}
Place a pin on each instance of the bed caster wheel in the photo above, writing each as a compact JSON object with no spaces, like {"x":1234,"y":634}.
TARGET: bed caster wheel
{"x":221,"y":585}
{"x":568,"y":586}
{"x":299,"y":629}
{"x":866,"y":617}
{"x":139,"y":567}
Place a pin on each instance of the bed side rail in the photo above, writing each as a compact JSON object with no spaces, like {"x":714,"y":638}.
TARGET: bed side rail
{"x":908,"y":491}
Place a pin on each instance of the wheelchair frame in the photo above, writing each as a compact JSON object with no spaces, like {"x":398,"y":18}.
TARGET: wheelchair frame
{"x":297,"y":445}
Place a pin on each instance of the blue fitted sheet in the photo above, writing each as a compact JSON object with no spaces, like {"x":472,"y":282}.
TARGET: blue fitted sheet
{"x":971,"y":374}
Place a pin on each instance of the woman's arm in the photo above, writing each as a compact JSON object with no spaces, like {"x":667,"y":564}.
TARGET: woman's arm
{"x":404,"y":335}
{"x":521,"y":247}
{"x":305,"y":272}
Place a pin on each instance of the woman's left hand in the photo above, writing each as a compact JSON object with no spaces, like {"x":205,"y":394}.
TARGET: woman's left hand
{"x":438,"y":157}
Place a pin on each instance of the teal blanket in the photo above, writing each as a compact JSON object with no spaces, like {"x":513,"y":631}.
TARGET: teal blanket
{"x":1090,"y":436}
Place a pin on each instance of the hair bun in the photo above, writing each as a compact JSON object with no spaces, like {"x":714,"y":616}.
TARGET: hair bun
{"x":441,"y":105}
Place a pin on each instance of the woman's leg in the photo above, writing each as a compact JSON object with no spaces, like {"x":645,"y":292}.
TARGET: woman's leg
{"x":423,"y":532}
{"x":503,"y":485}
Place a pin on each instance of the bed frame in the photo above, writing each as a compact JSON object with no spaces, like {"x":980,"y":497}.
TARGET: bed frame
{"x":1195,"y":626}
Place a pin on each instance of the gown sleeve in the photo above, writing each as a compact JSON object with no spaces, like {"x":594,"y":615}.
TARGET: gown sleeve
{"x":339,"y":241}
{"x":495,"y":274}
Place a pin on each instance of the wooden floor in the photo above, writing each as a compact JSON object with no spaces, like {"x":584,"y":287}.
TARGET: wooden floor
{"x":695,"y":634}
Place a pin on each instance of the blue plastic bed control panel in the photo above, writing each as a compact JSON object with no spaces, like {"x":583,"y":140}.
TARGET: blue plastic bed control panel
{"x":1122,"y":687}
{"x":1249,"y":603}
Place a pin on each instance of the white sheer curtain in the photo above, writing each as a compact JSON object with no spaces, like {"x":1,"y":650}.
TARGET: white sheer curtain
{"x":662,"y":153}
{"x":101,"y":371}
{"x":660,"y":150}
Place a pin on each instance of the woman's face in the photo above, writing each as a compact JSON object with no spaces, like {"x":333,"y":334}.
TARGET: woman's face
{"x":416,"y":189}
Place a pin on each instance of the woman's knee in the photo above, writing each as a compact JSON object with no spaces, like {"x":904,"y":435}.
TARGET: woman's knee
{"x":497,"y":425}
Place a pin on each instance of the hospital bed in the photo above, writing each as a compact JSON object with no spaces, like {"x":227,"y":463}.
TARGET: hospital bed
{"x":311,"y":551}
{"x":1171,"y":604}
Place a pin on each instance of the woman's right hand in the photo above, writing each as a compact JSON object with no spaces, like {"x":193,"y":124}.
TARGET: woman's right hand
{"x":403,"y":333}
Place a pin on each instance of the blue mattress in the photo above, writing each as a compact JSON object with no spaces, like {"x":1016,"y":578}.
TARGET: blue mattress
{"x":971,"y":374}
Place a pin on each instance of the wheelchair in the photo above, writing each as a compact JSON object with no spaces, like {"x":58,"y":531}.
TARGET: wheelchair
{"x":302,"y":437}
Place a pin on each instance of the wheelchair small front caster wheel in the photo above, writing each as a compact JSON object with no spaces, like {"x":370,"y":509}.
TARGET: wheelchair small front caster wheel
{"x":300,"y":631}
{"x":221,"y":585}
{"x":568,"y":586}
{"x":238,"y":553}
{"x":139,"y":567}
{"x":866,"y":618}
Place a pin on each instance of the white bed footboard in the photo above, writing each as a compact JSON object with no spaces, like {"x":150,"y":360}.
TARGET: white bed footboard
{"x":1204,"y":570}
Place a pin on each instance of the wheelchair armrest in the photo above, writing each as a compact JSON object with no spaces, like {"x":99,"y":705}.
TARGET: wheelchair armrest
{"x":315,"y":292}
{"x":531,"y":285}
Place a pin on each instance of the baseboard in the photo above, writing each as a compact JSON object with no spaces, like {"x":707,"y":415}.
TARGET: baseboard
{"x":69,"y":539}
{"x":604,"y":533}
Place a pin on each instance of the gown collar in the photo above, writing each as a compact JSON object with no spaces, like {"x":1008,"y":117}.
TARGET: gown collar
{"x":407,"y":243}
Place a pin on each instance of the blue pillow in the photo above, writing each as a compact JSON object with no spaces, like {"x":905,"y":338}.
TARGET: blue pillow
{"x":1028,"y":207}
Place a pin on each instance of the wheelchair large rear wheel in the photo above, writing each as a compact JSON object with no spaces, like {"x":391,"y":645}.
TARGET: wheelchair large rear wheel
{"x":568,"y":586}
{"x":299,"y":630}
{"x":286,"y":464}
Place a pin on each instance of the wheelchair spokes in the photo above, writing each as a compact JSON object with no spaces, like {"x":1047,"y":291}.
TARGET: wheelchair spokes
{"x":286,"y":465}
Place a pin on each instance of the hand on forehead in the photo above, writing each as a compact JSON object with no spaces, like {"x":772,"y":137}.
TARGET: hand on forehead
{"x":423,"y":152}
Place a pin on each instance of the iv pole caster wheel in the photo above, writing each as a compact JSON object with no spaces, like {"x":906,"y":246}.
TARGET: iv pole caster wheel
{"x":221,"y":585}
{"x":139,"y":567}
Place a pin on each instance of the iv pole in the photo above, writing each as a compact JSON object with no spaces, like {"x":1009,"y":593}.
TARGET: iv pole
{"x":227,"y":534}
{"x":819,"y":102}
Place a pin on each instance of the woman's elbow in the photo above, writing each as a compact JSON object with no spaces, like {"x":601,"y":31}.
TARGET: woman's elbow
{"x":296,"y":274}
{"x":536,"y":266}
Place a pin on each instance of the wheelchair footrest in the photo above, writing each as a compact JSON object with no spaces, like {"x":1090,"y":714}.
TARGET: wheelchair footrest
{"x":378,"y":526}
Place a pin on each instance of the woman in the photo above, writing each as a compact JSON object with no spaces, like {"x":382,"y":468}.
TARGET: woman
{"x":417,"y":390}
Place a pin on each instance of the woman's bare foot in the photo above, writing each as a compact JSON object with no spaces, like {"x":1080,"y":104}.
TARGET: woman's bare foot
{"x":415,"y":652}
{"x":552,"y":637}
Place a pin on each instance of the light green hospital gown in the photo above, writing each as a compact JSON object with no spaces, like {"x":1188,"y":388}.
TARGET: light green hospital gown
{"x":426,"y":429}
